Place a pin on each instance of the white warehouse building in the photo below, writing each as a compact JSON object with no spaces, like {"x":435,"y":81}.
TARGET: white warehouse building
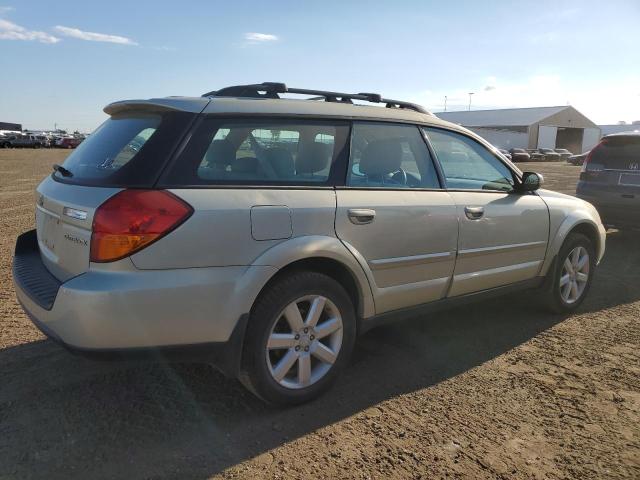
{"x":538,"y":127}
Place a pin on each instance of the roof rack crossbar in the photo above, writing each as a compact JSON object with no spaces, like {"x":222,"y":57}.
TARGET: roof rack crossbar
{"x":275,"y":89}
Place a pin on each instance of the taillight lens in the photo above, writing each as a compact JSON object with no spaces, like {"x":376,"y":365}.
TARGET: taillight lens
{"x":590,"y":155}
{"x":590,"y":170}
{"x":132,"y":220}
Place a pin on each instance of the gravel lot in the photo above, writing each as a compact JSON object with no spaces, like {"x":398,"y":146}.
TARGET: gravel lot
{"x":498,"y":390}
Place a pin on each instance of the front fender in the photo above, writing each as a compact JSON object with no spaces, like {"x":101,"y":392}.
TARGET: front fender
{"x":319,"y":246}
{"x":574,"y":219}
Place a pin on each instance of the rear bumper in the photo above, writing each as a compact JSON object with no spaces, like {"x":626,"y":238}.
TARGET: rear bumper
{"x":620,"y":214}
{"x":226,"y":356}
{"x":135,"y":313}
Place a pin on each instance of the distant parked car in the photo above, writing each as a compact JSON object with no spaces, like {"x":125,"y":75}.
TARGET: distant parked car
{"x":505,"y":153}
{"x":24,"y":141}
{"x":610,"y":180}
{"x":578,"y":159}
{"x":564,"y":153}
{"x":68,"y":142}
{"x":550,"y":155}
{"x":519,"y":155}
{"x":535,"y":155}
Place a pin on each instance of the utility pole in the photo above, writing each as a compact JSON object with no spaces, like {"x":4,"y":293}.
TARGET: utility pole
{"x":445,"y":103}
{"x":470,"y":93}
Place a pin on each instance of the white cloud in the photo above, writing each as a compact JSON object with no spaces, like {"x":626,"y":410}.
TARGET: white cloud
{"x":6,"y":9}
{"x":93,"y":36}
{"x":254,"y":37}
{"x":11,"y":31}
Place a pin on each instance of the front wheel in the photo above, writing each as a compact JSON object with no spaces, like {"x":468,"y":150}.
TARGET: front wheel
{"x":569,"y":281}
{"x":300,"y":336}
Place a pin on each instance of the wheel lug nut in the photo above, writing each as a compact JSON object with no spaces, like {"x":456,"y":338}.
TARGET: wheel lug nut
{"x":297,"y":348}
{"x":306,"y":349}
{"x":306,"y":330}
{"x":312,"y":337}
{"x":297,"y":337}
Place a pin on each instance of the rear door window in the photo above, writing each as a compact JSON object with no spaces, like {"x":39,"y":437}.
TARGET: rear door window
{"x":254,"y":152}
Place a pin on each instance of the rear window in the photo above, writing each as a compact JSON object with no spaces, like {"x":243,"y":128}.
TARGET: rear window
{"x":126,"y":150}
{"x":617,"y":152}
{"x":261,"y":152}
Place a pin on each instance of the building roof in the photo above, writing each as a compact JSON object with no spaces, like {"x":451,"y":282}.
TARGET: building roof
{"x":501,"y":117}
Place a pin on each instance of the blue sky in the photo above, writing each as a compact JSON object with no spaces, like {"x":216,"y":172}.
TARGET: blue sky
{"x":63,"y":61}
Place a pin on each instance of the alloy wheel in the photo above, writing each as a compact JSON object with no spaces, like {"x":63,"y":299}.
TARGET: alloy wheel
{"x":574,"y":275}
{"x":304,"y":342}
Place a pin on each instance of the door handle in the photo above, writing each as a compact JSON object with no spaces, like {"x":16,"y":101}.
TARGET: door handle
{"x":474,"y":213}
{"x":361,"y":216}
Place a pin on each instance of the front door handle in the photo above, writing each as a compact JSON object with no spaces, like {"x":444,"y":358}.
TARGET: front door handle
{"x":474,"y":213}
{"x":361,"y":216}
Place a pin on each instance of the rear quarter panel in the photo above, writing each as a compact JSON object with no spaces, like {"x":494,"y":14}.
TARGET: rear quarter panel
{"x":230,"y":227}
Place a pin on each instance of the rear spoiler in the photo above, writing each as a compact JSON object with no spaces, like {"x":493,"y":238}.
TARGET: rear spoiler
{"x":176,"y":104}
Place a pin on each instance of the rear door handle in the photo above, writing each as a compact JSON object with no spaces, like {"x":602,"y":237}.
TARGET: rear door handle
{"x":474,"y":213}
{"x":361,"y":216}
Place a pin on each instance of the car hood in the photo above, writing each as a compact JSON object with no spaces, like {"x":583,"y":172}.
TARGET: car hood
{"x":551,"y":194}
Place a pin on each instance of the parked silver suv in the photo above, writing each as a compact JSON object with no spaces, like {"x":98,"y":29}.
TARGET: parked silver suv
{"x":262,"y":234}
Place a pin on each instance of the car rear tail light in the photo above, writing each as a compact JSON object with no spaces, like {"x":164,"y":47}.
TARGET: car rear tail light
{"x":590,"y":170}
{"x":132,"y":220}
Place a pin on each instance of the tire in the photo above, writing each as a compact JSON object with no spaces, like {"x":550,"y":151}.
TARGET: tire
{"x":555,"y":295}
{"x":262,"y":366}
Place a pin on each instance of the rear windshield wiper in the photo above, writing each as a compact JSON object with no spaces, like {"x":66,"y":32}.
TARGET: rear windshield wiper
{"x":62,"y":171}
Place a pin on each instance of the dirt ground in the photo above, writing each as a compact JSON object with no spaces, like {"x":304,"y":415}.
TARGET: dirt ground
{"x":497,"y":390}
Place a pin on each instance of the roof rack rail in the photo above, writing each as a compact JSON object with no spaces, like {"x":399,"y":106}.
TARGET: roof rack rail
{"x":275,"y":89}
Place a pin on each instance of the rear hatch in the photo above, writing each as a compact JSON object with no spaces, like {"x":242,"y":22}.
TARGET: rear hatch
{"x":612,"y":171}
{"x":63,"y":221}
{"x":129,"y":150}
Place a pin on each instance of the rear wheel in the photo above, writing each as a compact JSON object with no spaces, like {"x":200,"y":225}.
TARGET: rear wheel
{"x":569,"y":281}
{"x":300,"y":335}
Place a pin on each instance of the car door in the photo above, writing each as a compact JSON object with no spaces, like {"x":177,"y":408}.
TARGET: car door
{"x":395,"y":218}
{"x":503,"y":233}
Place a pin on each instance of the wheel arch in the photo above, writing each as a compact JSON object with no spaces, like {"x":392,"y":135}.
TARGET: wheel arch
{"x":590,"y":231}
{"x":325,"y":255}
{"x":574,"y":224}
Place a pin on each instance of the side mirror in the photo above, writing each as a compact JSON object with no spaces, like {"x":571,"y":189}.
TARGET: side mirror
{"x":531,"y":181}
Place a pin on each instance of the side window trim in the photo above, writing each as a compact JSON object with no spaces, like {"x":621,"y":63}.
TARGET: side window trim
{"x":426,"y":128}
{"x":434,"y":158}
